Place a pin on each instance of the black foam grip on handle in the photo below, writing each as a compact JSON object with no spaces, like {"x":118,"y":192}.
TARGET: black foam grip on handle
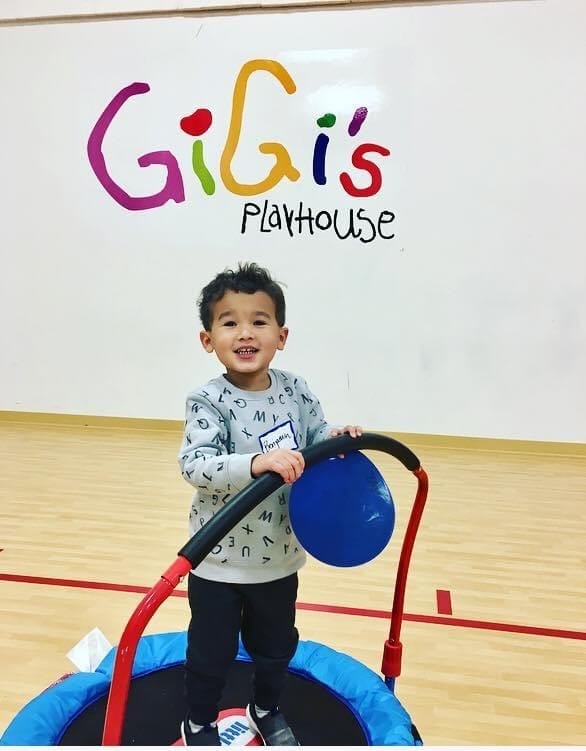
{"x":205,"y":540}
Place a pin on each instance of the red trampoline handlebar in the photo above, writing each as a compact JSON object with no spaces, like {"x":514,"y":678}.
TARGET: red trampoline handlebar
{"x":151,"y":602}
{"x":393,"y":649}
{"x":211,"y":533}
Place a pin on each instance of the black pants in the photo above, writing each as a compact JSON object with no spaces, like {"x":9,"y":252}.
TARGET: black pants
{"x":265,"y":616}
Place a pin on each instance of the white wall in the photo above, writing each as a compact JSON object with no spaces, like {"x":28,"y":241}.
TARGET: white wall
{"x":471,"y":321}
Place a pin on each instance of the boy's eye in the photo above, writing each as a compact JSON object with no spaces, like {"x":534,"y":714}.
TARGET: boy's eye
{"x":260,"y":322}
{"x":229,"y":323}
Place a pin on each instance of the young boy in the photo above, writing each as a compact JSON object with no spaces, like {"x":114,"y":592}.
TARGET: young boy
{"x":250,"y":420}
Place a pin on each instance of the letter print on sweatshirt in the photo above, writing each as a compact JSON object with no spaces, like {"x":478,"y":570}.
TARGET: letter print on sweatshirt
{"x":222,"y":421}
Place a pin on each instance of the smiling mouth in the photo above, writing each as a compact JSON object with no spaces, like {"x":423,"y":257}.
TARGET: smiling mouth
{"x":246,"y":351}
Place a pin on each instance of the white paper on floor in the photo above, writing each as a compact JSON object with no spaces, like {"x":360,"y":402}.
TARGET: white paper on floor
{"x":90,"y":651}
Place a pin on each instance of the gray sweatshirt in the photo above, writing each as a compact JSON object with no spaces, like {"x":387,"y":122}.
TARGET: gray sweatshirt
{"x":225,"y":428}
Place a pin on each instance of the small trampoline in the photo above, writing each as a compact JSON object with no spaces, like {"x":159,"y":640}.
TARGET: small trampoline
{"x":135,"y":696}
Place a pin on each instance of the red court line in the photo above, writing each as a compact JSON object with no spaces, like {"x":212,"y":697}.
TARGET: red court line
{"x":79,"y":584}
{"x":512,"y":628}
{"x":444,"y":602}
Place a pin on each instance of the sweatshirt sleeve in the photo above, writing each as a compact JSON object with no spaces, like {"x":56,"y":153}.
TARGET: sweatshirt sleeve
{"x":317,"y":427}
{"x":204,"y":459}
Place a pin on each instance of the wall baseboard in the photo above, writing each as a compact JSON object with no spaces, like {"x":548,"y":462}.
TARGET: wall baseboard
{"x":91,"y":421}
{"x":419,"y":440}
{"x":495,"y":445}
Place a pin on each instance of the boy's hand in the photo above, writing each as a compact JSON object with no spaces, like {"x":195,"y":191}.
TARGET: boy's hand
{"x":285,"y":462}
{"x":353,"y":430}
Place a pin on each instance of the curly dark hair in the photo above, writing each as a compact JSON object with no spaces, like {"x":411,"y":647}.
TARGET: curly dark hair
{"x":248,"y":278}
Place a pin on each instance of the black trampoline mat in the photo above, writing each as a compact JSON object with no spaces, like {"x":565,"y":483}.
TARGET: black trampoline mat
{"x":156,"y":707}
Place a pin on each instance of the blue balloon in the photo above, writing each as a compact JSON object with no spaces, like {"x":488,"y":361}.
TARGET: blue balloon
{"x":342,"y":511}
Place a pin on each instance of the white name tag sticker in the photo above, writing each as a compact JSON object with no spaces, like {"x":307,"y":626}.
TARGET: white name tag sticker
{"x":281,"y":437}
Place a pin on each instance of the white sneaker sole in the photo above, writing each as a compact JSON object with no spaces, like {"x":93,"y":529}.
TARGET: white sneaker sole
{"x":252,"y":724}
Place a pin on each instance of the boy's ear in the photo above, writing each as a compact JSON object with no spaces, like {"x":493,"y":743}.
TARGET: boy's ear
{"x":283,"y":334}
{"x":206,"y":341}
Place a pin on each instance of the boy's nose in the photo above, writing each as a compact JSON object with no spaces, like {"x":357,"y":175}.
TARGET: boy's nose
{"x":245,"y":333}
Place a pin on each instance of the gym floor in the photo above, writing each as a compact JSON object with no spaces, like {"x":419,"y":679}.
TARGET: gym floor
{"x":494,"y":640}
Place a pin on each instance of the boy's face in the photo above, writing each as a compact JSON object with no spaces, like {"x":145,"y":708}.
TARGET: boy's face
{"x":245,"y":336}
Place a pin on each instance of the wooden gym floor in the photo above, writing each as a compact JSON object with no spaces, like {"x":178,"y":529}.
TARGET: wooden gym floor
{"x":502,"y":545}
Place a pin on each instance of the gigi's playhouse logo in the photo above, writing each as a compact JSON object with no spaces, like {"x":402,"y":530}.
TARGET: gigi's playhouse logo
{"x":260,"y":216}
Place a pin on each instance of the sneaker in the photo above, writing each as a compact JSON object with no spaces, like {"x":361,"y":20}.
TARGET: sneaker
{"x":272,"y":728}
{"x":207,"y":736}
